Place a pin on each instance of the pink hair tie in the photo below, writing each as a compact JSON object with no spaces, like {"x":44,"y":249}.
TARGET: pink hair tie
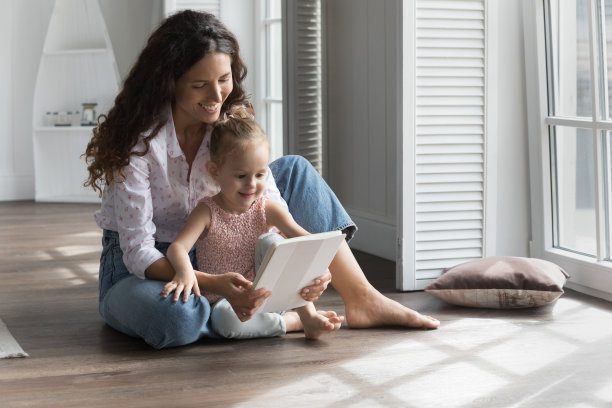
{"x":230,"y":116}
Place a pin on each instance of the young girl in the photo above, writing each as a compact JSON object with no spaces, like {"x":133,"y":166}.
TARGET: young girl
{"x":226,"y":228}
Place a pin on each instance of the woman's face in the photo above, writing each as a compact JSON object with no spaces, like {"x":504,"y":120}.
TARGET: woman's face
{"x":201,"y":91}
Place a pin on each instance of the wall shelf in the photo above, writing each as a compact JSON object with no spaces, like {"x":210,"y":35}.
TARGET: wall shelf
{"x":77,"y":65}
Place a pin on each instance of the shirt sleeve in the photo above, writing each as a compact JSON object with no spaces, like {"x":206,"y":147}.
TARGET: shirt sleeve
{"x":134,"y":214}
{"x":272,"y":190}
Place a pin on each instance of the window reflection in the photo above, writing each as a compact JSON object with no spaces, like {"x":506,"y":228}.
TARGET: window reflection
{"x":569,"y":28}
{"x":575,"y":190}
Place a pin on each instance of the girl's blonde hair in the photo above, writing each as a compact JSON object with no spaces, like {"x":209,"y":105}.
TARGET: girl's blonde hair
{"x":229,"y":134}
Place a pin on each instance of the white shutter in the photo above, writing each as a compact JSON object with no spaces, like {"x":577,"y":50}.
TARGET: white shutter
{"x":304,"y":80}
{"x":449,"y":134}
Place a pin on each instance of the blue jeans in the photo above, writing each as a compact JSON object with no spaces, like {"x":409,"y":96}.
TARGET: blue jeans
{"x":135,"y":307}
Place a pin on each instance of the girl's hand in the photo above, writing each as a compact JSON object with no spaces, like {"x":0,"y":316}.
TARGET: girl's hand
{"x":240,"y":294}
{"x":314,"y":291}
{"x":182,"y":284}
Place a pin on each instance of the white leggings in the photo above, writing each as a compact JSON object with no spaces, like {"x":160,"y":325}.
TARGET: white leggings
{"x":224,"y":319}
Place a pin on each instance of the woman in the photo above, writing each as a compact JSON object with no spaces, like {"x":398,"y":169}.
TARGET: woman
{"x":149,"y":155}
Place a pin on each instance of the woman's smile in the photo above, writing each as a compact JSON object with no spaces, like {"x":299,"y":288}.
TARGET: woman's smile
{"x":210,"y":108}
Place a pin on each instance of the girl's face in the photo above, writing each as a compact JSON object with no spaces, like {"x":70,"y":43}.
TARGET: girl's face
{"x":201,"y":90}
{"x":242,"y":176}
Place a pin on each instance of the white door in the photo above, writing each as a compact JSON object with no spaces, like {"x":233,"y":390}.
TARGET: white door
{"x":443,"y":150}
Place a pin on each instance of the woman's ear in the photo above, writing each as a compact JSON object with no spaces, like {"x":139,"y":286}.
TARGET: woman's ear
{"x":212,"y":168}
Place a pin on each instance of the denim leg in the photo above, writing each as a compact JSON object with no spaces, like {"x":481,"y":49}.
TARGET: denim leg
{"x":311,"y":202}
{"x":135,"y":306}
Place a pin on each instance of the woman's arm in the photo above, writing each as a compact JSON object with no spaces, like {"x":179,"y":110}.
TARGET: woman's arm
{"x":133,"y":213}
{"x":184,"y":278}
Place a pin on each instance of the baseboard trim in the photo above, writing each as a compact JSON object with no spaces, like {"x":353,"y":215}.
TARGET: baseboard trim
{"x":16,"y":187}
{"x":374,"y":236}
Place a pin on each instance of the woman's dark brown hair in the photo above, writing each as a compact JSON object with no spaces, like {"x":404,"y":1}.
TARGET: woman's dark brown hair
{"x":174,"y":47}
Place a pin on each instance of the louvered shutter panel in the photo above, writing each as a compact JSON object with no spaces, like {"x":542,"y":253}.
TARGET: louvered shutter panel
{"x":304,"y":80}
{"x":210,"y":6}
{"x":450,"y":135}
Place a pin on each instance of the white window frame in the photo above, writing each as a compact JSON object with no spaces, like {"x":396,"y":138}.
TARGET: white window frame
{"x":263,"y":100}
{"x":588,"y":275}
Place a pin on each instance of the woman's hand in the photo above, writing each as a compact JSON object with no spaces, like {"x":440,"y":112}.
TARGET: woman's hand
{"x":312,"y":292}
{"x":240,"y":294}
{"x":182,"y":283}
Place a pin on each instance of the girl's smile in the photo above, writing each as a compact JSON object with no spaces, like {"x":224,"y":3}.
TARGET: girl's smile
{"x":242,"y":176}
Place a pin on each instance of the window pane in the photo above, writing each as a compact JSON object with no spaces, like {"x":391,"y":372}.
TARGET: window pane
{"x":608,"y":39}
{"x":569,"y":26}
{"x":275,"y":129}
{"x":275,"y":62}
{"x":575,"y":190}
{"x":274,"y":8}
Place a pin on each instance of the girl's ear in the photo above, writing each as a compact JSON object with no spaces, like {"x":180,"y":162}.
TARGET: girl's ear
{"x":212,"y":168}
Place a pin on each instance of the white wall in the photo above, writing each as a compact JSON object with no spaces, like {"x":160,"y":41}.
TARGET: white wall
{"x":361,"y":130}
{"x":129,"y":24}
{"x":362,"y":95}
{"x":7,"y":176}
{"x":29,"y":21}
{"x":513,"y":196}
{"x":23,"y":27}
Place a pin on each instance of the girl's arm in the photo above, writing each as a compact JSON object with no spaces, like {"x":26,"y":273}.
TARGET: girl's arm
{"x":184,"y":279}
{"x":232,"y":286}
{"x":278,"y":216}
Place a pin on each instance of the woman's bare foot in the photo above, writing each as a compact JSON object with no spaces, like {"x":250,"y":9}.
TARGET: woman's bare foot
{"x":375,"y":309}
{"x":321,"y":323}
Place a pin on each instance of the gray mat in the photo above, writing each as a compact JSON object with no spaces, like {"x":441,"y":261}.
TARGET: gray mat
{"x":9,"y":348}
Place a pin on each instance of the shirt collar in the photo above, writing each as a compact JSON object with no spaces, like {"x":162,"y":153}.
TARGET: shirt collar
{"x":172,"y":145}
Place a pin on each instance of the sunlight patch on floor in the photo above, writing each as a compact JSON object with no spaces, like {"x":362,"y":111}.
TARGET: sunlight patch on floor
{"x":91,"y":268}
{"x":450,"y":385}
{"x":73,"y":250}
{"x":383,"y":365}
{"x":471,"y":333}
{"x":563,"y":306}
{"x":605,"y":393}
{"x":88,"y":234}
{"x":67,"y":275}
{"x":40,"y":255}
{"x":365,"y":403}
{"x":319,"y":390}
{"x":586,"y":325}
{"x":527,"y":353}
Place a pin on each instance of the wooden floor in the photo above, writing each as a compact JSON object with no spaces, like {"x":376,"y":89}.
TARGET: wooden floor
{"x":555,"y":356}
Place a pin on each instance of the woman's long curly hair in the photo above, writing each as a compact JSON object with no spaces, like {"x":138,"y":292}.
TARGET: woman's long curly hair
{"x":174,"y":47}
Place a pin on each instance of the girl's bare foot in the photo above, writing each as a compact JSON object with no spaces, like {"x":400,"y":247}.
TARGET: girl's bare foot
{"x":293,"y":322}
{"x":321,"y":323}
{"x":375,"y":309}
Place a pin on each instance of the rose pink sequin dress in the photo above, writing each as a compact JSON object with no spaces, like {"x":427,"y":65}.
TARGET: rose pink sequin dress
{"x":229,"y":245}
